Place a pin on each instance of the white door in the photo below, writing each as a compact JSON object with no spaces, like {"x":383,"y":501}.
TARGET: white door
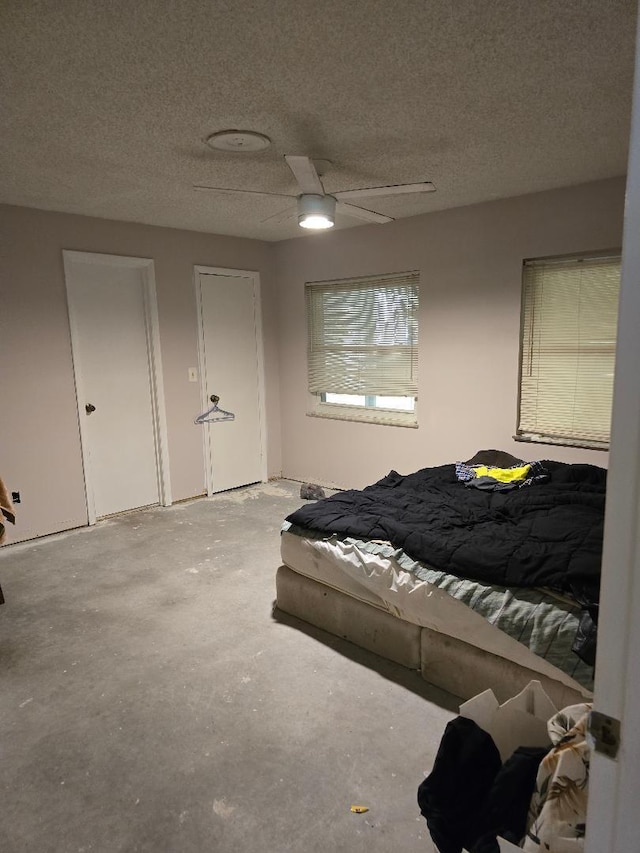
{"x":231,"y":368}
{"x":111,"y":336}
{"x":614,"y":785}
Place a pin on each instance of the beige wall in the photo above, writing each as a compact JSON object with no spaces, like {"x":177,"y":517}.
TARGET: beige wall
{"x":470,"y":262}
{"x":39,"y":438}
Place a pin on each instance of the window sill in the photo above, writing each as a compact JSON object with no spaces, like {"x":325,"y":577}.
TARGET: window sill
{"x":534,"y":438}
{"x":385,"y":417}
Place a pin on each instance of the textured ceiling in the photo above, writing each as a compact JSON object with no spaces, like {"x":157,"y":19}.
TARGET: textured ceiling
{"x":106,"y":105}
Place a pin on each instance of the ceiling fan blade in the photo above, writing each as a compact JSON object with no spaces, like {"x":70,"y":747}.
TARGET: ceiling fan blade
{"x":280,"y":216}
{"x":230,"y":191}
{"x":305,"y":174}
{"x":399,"y":189}
{"x":361,"y":213}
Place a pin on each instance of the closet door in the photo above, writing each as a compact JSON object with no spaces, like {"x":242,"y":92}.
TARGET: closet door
{"x":231,"y":368}
{"x":116,"y":382}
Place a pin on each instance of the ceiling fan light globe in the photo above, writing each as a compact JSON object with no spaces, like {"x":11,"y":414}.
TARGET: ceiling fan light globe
{"x":316,"y":212}
{"x":315,"y":221}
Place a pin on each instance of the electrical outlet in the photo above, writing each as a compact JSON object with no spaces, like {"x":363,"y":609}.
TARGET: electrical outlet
{"x":193,"y":374}
{"x":15,"y":497}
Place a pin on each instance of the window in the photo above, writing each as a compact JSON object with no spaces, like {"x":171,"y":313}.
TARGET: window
{"x":363,"y":348}
{"x":568,"y":341}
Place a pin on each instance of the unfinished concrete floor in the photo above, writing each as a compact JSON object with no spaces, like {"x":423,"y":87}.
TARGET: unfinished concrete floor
{"x":149,"y":700}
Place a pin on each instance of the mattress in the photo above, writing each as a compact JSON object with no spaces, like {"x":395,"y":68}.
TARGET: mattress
{"x":529,"y":627}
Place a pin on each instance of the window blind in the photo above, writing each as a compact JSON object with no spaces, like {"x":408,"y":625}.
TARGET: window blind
{"x":363,"y":335}
{"x":569,"y":321}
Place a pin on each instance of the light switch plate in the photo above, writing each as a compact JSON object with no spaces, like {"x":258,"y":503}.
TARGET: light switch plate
{"x":193,"y":374}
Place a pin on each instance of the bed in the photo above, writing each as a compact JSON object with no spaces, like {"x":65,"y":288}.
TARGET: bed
{"x":474,"y":587}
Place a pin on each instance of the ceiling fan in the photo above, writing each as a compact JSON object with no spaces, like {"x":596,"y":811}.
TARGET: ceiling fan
{"x":316,"y":208}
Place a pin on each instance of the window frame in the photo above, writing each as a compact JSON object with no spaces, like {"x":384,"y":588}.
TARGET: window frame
{"x":319,"y":408}
{"x":317,"y":405}
{"x":547,"y":438}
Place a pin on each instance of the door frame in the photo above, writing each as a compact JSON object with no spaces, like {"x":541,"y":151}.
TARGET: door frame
{"x":199,"y":270}
{"x":159,"y":419}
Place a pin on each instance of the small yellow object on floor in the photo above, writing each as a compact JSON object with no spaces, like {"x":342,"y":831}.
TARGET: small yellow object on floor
{"x":359,"y":809}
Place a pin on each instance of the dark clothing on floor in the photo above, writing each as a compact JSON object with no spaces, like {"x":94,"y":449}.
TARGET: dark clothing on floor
{"x":470,"y":797}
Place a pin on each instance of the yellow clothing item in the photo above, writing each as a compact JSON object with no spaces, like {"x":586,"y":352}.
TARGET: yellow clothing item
{"x":504,"y":475}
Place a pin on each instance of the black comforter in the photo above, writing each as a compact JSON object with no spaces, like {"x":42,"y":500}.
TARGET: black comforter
{"x":544,"y":535}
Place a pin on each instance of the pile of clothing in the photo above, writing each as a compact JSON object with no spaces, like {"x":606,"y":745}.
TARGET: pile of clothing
{"x":535,"y":797}
{"x":492,"y":478}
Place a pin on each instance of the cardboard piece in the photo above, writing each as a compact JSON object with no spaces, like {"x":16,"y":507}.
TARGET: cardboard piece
{"x":520,"y":721}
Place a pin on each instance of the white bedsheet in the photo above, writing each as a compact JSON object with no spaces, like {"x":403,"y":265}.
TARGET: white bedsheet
{"x":381,"y":582}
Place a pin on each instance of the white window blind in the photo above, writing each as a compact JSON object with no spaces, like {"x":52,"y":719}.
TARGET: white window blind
{"x":569,"y":320}
{"x":363,"y":336}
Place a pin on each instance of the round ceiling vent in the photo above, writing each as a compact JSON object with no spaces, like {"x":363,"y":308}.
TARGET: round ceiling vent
{"x":238,"y":140}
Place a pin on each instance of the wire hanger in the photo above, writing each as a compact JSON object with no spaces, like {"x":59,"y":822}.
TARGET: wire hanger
{"x":214,"y":414}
